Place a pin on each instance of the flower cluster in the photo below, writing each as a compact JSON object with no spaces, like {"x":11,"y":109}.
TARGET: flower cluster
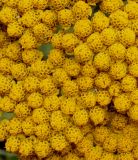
{"x":81,"y":102}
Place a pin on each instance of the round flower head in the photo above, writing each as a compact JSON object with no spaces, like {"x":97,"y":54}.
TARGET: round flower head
{"x":47,"y":87}
{"x":5,"y":65}
{"x":26,"y":147}
{"x":102,"y":80}
{"x":81,"y":10}
{"x":99,"y":21}
{"x":119,"y":19}
{"x":6,"y":85}
{"x":85,"y":145}
{"x":109,"y":6}
{"x":60,"y":76}
{"x":118,"y":70}
{"x":133,"y":69}
{"x":12,"y":144}
{"x":117,"y":51}
{"x":40,"y":4}
{"x":122,"y":103}
{"x":22,"y":110}
{"x":28,"y":41}
{"x":28,"y":126}
{"x":17,"y":92}
{"x":72,"y":67}
{"x":83,"y":53}
{"x":87,"y":99}
{"x":42,"y":33}
{"x":125,"y":144}
{"x":58,"y":121}
{"x":29,"y":18}
{"x":11,"y":3}
{"x":110,"y":143}
{"x":40,"y":115}
{"x":134,"y":26}
{"x":102,"y":61}
{"x":13,"y":51}
{"x":71,"y":156}
{"x":128,"y":83}
{"x":103,"y":97}
{"x":32,"y":55}
{"x":56,"y":57}
{"x":131,"y":9}
{"x":59,"y":4}
{"x":51,"y":103}
{"x":42,"y":149}
{"x":97,"y":115}
{"x":65,"y":18}
{"x":135,"y":152}
{"x":14,"y":127}
{"x":49,"y":17}
{"x":69,"y":42}
{"x":88,"y":69}
{"x":3,"y":130}
{"x":83,"y":28}
{"x":19,"y":71}
{"x":58,"y":142}
{"x":94,"y":153}
{"x":25,"y":5}
{"x":81,"y":117}
{"x":94,"y":42}
{"x":73,"y":134}
{"x":7,"y":104}
{"x":68,"y":105}
{"x":119,"y":121}
{"x":70,"y":88}
{"x":107,"y":156}
{"x":134,"y":96}
{"x":100,"y":134}
{"x":85,"y":83}
{"x":8,"y":15}
{"x":132,"y":55}
{"x":15,"y":29}
{"x":40,"y":69}
{"x":127,"y":37}
{"x":35,"y":100}
{"x":131,"y":131}
{"x":125,"y":156}
{"x":42,"y":131}
{"x":132,"y":113}
{"x":31,"y":84}
{"x":57,"y":41}
{"x":108,"y":36}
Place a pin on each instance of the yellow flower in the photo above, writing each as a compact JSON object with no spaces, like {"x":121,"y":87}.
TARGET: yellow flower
{"x":42,"y":149}
{"x":122,"y":103}
{"x":12,"y":144}
{"x":110,"y":6}
{"x":15,"y":29}
{"x":83,"y":53}
{"x":97,"y":115}
{"x":83,"y":28}
{"x":73,"y":134}
{"x":65,"y":18}
{"x":58,"y":121}
{"x":81,"y":10}
{"x":99,"y":21}
{"x":80,"y":117}
{"x":58,"y":142}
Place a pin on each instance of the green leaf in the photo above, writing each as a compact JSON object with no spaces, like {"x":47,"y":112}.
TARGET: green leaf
{"x":6,"y":115}
{"x":46,"y":48}
{"x":58,"y":28}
